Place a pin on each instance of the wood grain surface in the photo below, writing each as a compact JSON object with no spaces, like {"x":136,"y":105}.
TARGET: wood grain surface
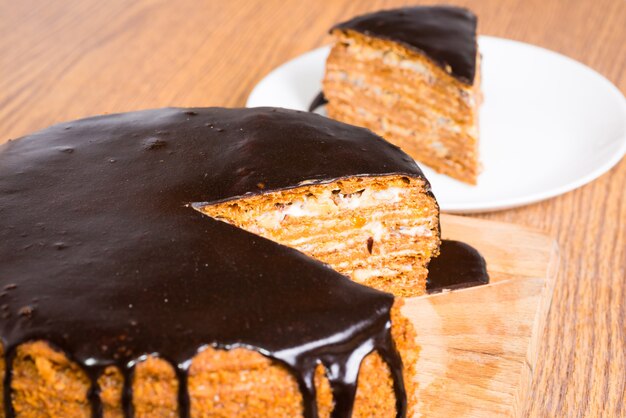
{"x":478,"y":346}
{"x":60,"y":60}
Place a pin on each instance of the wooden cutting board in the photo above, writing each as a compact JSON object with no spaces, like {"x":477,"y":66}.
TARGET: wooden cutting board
{"x":478,"y":346}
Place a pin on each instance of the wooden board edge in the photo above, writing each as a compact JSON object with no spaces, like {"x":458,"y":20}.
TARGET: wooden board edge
{"x":522,"y":396}
{"x":518,"y":256}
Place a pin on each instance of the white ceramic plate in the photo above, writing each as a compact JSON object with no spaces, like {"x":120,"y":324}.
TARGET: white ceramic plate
{"x":548,"y":123}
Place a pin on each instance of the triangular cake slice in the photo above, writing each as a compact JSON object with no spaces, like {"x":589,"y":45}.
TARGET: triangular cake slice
{"x":412,"y":75}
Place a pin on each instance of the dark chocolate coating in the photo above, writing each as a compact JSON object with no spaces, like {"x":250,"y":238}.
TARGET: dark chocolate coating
{"x":445,"y":34}
{"x":103,"y":255}
{"x":458,"y":265}
{"x":319,"y":101}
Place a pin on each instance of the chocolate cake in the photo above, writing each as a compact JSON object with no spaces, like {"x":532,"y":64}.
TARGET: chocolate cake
{"x":121,"y":297}
{"x":412,"y":75}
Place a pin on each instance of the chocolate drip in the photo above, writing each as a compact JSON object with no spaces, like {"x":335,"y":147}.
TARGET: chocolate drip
{"x":9,"y":356}
{"x":391,"y":356}
{"x":93,"y":396}
{"x":458,"y":265}
{"x":306,"y":383}
{"x":128,"y":372}
{"x":318,"y":101}
{"x":343,"y":375}
{"x":102,"y":249}
{"x":445,"y":34}
{"x":184,"y":405}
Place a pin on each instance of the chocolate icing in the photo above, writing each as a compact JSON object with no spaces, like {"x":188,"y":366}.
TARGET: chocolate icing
{"x":318,"y":101}
{"x":103,"y":255}
{"x":458,"y":265}
{"x":445,"y":34}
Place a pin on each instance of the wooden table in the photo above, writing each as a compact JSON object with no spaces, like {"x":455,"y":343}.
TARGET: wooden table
{"x":62,"y":60}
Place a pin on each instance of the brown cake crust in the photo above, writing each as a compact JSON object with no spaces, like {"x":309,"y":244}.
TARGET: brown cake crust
{"x":239,"y":382}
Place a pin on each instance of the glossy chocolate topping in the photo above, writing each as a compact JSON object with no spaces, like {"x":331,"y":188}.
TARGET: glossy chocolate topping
{"x":458,"y":265}
{"x":445,"y":34}
{"x":318,"y":101}
{"x":103,"y":255}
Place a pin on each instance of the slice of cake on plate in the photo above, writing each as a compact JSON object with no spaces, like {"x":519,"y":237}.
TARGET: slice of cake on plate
{"x":412,"y":75}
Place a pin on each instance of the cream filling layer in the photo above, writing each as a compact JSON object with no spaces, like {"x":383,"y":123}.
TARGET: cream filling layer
{"x":328,"y":203}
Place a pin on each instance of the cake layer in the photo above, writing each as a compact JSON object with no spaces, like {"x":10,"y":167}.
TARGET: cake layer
{"x":410,"y":122}
{"x":406,"y":96}
{"x":380,"y":231}
{"x":446,"y":152}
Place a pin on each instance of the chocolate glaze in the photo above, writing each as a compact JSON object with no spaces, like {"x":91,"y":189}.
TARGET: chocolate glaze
{"x":445,"y":34}
{"x":458,"y":265}
{"x":318,"y":101}
{"x":103,"y":255}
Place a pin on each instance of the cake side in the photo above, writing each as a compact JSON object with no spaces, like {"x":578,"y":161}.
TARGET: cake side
{"x":406,"y":98}
{"x":380,"y":231}
{"x":238,"y":382}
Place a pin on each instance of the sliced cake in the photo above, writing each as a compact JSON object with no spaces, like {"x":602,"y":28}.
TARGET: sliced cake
{"x":121,"y":297}
{"x":412,"y":75}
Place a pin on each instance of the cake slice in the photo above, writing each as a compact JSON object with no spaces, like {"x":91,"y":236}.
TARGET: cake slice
{"x":412,"y":75}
